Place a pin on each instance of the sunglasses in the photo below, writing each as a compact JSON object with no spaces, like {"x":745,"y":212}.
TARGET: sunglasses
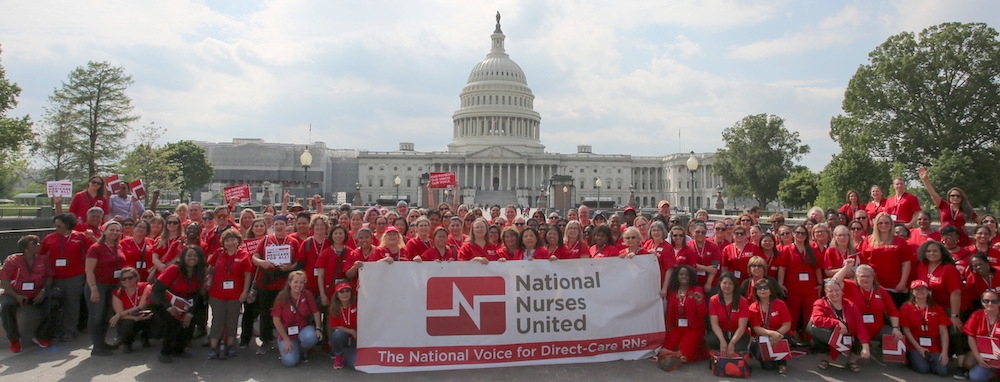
{"x":956,"y":196}
{"x":173,"y":222}
{"x":675,"y":222}
{"x":989,"y":301}
{"x":801,"y":233}
{"x":127,"y":225}
{"x":745,"y":220}
{"x":721,"y":229}
{"x":730,"y":224}
{"x":224,"y":216}
{"x":857,"y":229}
{"x":677,"y":235}
{"x":95,"y":182}
{"x":740,"y":233}
{"x":784,"y":234}
{"x":519,"y":224}
{"x":631,"y":237}
{"x":127,"y":278}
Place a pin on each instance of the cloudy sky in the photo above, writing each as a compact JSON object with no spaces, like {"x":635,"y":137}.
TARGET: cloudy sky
{"x":623,"y":76}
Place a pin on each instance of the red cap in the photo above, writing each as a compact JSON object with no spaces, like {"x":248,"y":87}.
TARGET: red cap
{"x":627,"y":209}
{"x":918,"y":283}
{"x":342,"y":285}
{"x":392,"y":228}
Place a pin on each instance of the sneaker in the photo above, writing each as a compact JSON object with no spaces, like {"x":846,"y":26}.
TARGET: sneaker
{"x":338,"y":362}
{"x":230,"y":351}
{"x":15,"y":346}
{"x":165,"y":358}
{"x":41,"y":343}
{"x":213,"y":354}
{"x":962,"y":374}
{"x":263,"y":348}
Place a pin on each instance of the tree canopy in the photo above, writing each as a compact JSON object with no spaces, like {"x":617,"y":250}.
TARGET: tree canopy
{"x":15,"y":132}
{"x":194,"y":170}
{"x":760,"y":152}
{"x":851,"y":170}
{"x":799,"y":189}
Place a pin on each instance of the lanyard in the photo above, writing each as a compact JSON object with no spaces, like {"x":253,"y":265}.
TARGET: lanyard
{"x":230,"y":259}
{"x":840,"y":315}
{"x":114,"y":252}
{"x":133,"y":301}
{"x":28,"y":266}
{"x":738,"y":251}
{"x":992,"y":328}
{"x":801,"y":256}
{"x":89,"y":200}
{"x":682,"y":297}
{"x":728,"y":309}
{"x":766,"y":318}
{"x":867,"y":298}
{"x":345,"y":312}
{"x":701,"y":251}
{"x":923,"y":317}
{"x":142,"y":254}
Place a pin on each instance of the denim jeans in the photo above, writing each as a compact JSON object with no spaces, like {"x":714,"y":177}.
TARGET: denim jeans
{"x":923,"y":365}
{"x":980,"y":374}
{"x":344,"y":345}
{"x":306,"y":340}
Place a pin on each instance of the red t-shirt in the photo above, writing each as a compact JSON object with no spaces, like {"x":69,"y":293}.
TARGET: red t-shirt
{"x":834,"y":258}
{"x":416,"y":246}
{"x":82,"y":202}
{"x":348,"y":318}
{"x":129,"y":302}
{"x":737,"y":259}
{"x":456,"y":241}
{"x":295,"y":313}
{"x":917,"y":237}
{"x":109,"y":260}
{"x":503,"y":252}
{"x":607,"y":251}
{"x":847,"y":209}
{"x":230,"y":271}
{"x":902,"y":207}
{"x":729,"y":316}
{"x":943,"y":281}
{"x":26,"y":280}
{"x":887,"y":260}
{"x":310,"y":257}
{"x":963,"y":258}
{"x":383,"y":252}
{"x":975,"y":285}
{"x":271,"y":240}
{"x":561,"y":252}
{"x":800,"y":276}
{"x":540,"y":253}
{"x":574,"y":251}
{"x":873,"y":209}
{"x":873,"y":305}
{"x":978,"y":325}
{"x":910,"y":316}
{"x":779,"y":315}
{"x":992,"y":254}
{"x":681,"y":309}
{"x":138,"y":256}
{"x":328,"y":261}
{"x":178,"y":284}
{"x":213,"y":237}
{"x":66,"y":254}
{"x":175,"y":249}
{"x":434,"y":254}
{"x":471,"y":250}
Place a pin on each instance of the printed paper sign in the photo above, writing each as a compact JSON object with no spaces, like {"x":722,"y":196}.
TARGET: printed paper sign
{"x":63,"y":189}
{"x":893,"y":351}
{"x":278,"y":254}
{"x":442,"y":180}
{"x":989,"y":347}
{"x":138,"y":189}
{"x":837,"y":341}
{"x":239,"y":193}
{"x":113,"y":184}
{"x":250,"y":245}
{"x":775,"y":351}
{"x":464,"y":315}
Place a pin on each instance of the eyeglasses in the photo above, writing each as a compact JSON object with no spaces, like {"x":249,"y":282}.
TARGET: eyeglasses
{"x":989,"y":221}
{"x":803,"y":233}
{"x":989,"y":301}
{"x":519,"y":224}
{"x":631,"y":237}
{"x":784,"y":234}
{"x":677,"y":235}
{"x":95,"y":182}
{"x":956,"y":196}
{"x":857,"y":229}
{"x":675,"y":221}
{"x":127,"y":278}
{"x":173,"y":222}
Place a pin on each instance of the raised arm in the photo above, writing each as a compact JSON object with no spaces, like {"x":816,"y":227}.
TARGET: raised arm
{"x":927,"y":184}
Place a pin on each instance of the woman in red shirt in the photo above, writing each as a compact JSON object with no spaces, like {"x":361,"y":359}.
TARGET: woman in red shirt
{"x":737,"y":255}
{"x":175,"y":291}
{"x":923,"y":231}
{"x":926,"y":327}
{"x":331,"y":263}
{"x":603,"y":246}
{"x":573,"y":240}
{"x":554,"y":243}
{"x":508,"y":244}
{"x":840,"y":250}
{"x":138,"y":249}
{"x":785,"y":237}
{"x":131,"y":317}
{"x":866,"y":223}
{"x":530,"y":247}
{"x":632,"y":239}
{"x":344,"y":314}
{"x":311,"y":249}
{"x":478,"y":248}
{"x":441,"y":250}
{"x":757,"y":268}
{"x":800,"y":275}
{"x":836,"y":311}
{"x":937,"y":269}
{"x":685,"y":317}
{"x":422,"y":241}
{"x":983,"y":323}
{"x":229,"y":270}
{"x":657,"y":242}
{"x":103,"y":269}
{"x":92,"y":197}
{"x":729,"y":314}
{"x":271,"y":277}
{"x":392,"y":247}
{"x":956,"y":210}
{"x":291,"y":314}
{"x":871,"y":299}
{"x":168,"y":236}
{"x":981,"y":244}
{"x":769,"y":318}
{"x":877,"y":205}
{"x":983,"y":277}
{"x":852,"y":206}
{"x":890,"y":256}
{"x":769,"y":252}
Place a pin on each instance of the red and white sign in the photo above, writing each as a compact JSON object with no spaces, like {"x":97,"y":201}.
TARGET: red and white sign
{"x":63,"y":189}
{"x":465,"y":315}
{"x":250,"y":245}
{"x":839,"y":342}
{"x":240,"y":193}
{"x":774,"y":351}
{"x":113,"y":184}
{"x":442,"y":180}
{"x":893,"y":351}
{"x":989,"y":349}
{"x":138,"y":189}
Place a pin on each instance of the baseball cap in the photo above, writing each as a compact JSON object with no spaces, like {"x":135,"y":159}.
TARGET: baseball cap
{"x":599,"y":213}
{"x":391,"y":228}
{"x":401,"y":203}
{"x":918,"y":283}
{"x":296,"y":206}
{"x":663,"y":203}
{"x":342,"y":285}
{"x":629,"y":208}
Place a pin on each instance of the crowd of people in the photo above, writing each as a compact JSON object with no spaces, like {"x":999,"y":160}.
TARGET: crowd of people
{"x":872,"y":269}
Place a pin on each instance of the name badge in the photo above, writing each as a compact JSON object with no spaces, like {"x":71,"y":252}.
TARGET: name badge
{"x":316,"y":272}
{"x":118,"y":273}
{"x":27,"y":286}
{"x":737,"y":274}
{"x":702,"y":273}
{"x":140,"y":265}
{"x":228,"y":284}
{"x":893,"y":217}
{"x":848,"y":340}
{"x":764,"y":339}
{"x":60,"y":262}
{"x":925,"y":341}
{"x":804,"y":276}
{"x":293,"y":330}
{"x":682,"y":322}
{"x":868,"y":318}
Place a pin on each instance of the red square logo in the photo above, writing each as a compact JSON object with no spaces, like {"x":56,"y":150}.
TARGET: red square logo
{"x":466,"y":306}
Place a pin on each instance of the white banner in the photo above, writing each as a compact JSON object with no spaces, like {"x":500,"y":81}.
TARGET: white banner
{"x":466,"y":315}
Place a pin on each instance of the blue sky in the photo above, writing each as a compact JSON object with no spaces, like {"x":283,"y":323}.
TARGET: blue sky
{"x":622,"y":76}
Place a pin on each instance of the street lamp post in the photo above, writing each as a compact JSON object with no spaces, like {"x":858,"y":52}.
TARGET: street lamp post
{"x":598,"y":183}
{"x":307,"y":160}
{"x":692,"y":165}
{"x":397,"y":181}
{"x":566,"y":200}
{"x":357,"y":193}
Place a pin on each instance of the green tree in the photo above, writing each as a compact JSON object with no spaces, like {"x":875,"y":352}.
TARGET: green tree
{"x":15,"y":132}
{"x":959,"y":169}
{"x":799,"y":189}
{"x":194,"y":171}
{"x":923,"y":93}
{"x":851,"y":170}
{"x":55,"y":146}
{"x":98,"y":111}
{"x":149,"y":161}
{"x":759,"y":154}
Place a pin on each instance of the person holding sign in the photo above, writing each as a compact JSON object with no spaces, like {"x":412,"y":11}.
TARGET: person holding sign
{"x":295,"y":317}
{"x":92,"y":197}
{"x":984,"y":325}
{"x":26,"y":279}
{"x":275,"y":257}
{"x":926,"y":327}
{"x":124,"y":206}
{"x":478,"y":248}
{"x":229,"y":269}
{"x":130,"y":302}
{"x":685,"y":317}
{"x":955,"y":211}
{"x":175,"y":292}
{"x":834,"y":311}
{"x":872,"y":300}
{"x":770,"y":322}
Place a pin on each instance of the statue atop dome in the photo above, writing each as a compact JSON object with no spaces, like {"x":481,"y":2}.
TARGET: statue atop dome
{"x":498,"y":23}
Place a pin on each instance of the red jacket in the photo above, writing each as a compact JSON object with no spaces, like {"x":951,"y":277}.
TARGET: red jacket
{"x":823,"y":316}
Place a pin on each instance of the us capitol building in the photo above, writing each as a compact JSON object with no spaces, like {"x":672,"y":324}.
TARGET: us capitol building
{"x":496,"y":153}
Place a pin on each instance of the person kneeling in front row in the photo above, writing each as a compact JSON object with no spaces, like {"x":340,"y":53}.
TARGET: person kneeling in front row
{"x":292,"y":309}
{"x":344,"y":321}
{"x":26,"y":280}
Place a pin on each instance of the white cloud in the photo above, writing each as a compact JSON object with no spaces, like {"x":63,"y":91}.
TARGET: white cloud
{"x":836,"y":29}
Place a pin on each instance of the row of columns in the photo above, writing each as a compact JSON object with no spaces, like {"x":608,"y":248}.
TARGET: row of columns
{"x":505,"y":126}
{"x":513,"y":176}
{"x":650,"y":177}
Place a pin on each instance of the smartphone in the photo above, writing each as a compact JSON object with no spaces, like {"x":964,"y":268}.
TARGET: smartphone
{"x":143,"y":312}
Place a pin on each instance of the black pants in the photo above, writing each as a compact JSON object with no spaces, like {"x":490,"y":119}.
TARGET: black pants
{"x":98,"y":313}
{"x":128,"y":330}
{"x":249,"y":316}
{"x":45,"y":330}
{"x":175,"y":335}
{"x":265,"y":301}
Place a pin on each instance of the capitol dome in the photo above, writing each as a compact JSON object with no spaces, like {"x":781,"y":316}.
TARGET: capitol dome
{"x":497,"y":106}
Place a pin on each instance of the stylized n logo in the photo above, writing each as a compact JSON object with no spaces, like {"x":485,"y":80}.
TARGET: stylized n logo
{"x":466,"y":306}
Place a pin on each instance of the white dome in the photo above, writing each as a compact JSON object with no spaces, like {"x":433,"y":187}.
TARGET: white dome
{"x":497,"y":69}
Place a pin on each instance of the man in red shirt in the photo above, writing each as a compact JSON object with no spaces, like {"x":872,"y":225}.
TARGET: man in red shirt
{"x":26,"y":279}
{"x":903,"y":206}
